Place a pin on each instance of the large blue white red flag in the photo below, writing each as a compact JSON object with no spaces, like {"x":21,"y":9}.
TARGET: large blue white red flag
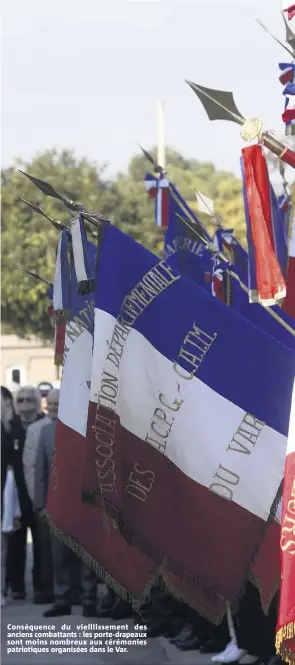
{"x":90,"y":533}
{"x":266,"y":233}
{"x":154,"y":389}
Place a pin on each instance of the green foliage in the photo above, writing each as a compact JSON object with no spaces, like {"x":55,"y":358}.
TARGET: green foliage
{"x":29,"y":240}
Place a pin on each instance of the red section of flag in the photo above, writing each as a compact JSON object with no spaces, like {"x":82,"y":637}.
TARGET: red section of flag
{"x":290,"y":11}
{"x":92,"y":531}
{"x":265,"y":568}
{"x":50,"y":311}
{"x":285,"y":640}
{"x":288,"y":115}
{"x":269,"y":279}
{"x":170,"y":529}
{"x":59,"y":343}
{"x":289,"y":302}
{"x":287,"y":76}
{"x":163,"y":202}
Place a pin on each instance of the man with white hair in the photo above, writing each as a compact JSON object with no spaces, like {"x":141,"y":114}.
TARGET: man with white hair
{"x":32,"y":443}
{"x":28,"y":410}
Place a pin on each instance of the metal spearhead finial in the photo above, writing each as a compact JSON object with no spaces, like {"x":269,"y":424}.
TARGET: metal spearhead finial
{"x":58,"y":225}
{"x":47,"y":190}
{"x":148,"y":156}
{"x":195,"y":233}
{"x":275,"y":38}
{"x":71,"y":205}
{"x":290,"y":37}
{"x":220,"y":105}
{"x":35,"y":276}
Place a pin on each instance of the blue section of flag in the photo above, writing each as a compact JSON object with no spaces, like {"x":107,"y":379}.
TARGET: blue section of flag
{"x":183,"y":253}
{"x":244,"y":365}
{"x":260,"y":316}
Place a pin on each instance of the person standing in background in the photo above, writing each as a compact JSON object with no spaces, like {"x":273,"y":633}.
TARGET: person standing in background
{"x":35,"y":439}
{"x":27,"y":411}
{"x":32,"y":438}
{"x":71,"y":575}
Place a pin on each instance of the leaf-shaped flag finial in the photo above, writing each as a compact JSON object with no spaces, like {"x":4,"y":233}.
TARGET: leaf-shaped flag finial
{"x":148,"y":156}
{"x":55,"y":223}
{"x":218,"y":104}
{"x":35,"y":275}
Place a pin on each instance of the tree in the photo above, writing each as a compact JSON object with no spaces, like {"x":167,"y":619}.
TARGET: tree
{"x":30,"y":241}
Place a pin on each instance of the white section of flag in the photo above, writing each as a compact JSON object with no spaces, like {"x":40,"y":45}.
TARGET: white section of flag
{"x":74,"y":391}
{"x":57,"y":287}
{"x":205,"y":204}
{"x":78,"y":250}
{"x":203,"y":427}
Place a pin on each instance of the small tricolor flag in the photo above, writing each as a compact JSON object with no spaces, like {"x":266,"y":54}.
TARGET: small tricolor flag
{"x":288,"y":72}
{"x":158,"y":188}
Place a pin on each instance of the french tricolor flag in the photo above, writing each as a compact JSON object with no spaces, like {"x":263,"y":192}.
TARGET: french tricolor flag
{"x":87,"y":529}
{"x":158,"y":341}
{"x":159,"y":189}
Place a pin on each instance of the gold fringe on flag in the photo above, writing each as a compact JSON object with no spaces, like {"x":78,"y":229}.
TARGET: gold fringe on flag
{"x":62,"y":315}
{"x":58,"y":360}
{"x":286,"y":633}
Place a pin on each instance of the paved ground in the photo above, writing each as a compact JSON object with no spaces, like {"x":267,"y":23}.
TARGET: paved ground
{"x":25,"y":613}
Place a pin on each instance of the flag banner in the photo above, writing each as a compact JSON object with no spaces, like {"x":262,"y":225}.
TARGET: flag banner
{"x":61,"y":287}
{"x":91,"y":534}
{"x":168,"y":472}
{"x":266,"y":282}
{"x":285,"y":639}
{"x":205,"y":204}
{"x":289,"y":302}
{"x":288,"y":72}
{"x":85,"y":276}
{"x":273,"y":320}
{"x":182,"y":250}
{"x":290,"y":12}
{"x":59,"y":332}
{"x":158,"y":188}
{"x":289,"y":89}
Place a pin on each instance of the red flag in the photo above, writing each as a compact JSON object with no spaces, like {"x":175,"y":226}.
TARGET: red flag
{"x":290,"y":11}
{"x":285,"y":639}
{"x":270,"y":286}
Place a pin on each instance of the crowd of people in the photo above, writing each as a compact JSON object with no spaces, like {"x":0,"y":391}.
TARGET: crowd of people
{"x":61,"y":580}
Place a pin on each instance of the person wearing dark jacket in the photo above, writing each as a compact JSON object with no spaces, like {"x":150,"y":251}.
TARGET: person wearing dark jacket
{"x":70,"y":574}
{"x":28,"y":410}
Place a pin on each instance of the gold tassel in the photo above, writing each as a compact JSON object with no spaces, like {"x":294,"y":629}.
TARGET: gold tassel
{"x":286,"y":633}
{"x":62,"y":315}
{"x":58,"y":360}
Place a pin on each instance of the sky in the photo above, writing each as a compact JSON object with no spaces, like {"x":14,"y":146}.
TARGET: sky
{"x":87,"y":75}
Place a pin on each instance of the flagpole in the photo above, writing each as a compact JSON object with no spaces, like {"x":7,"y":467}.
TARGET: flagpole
{"x":161,"y":157}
